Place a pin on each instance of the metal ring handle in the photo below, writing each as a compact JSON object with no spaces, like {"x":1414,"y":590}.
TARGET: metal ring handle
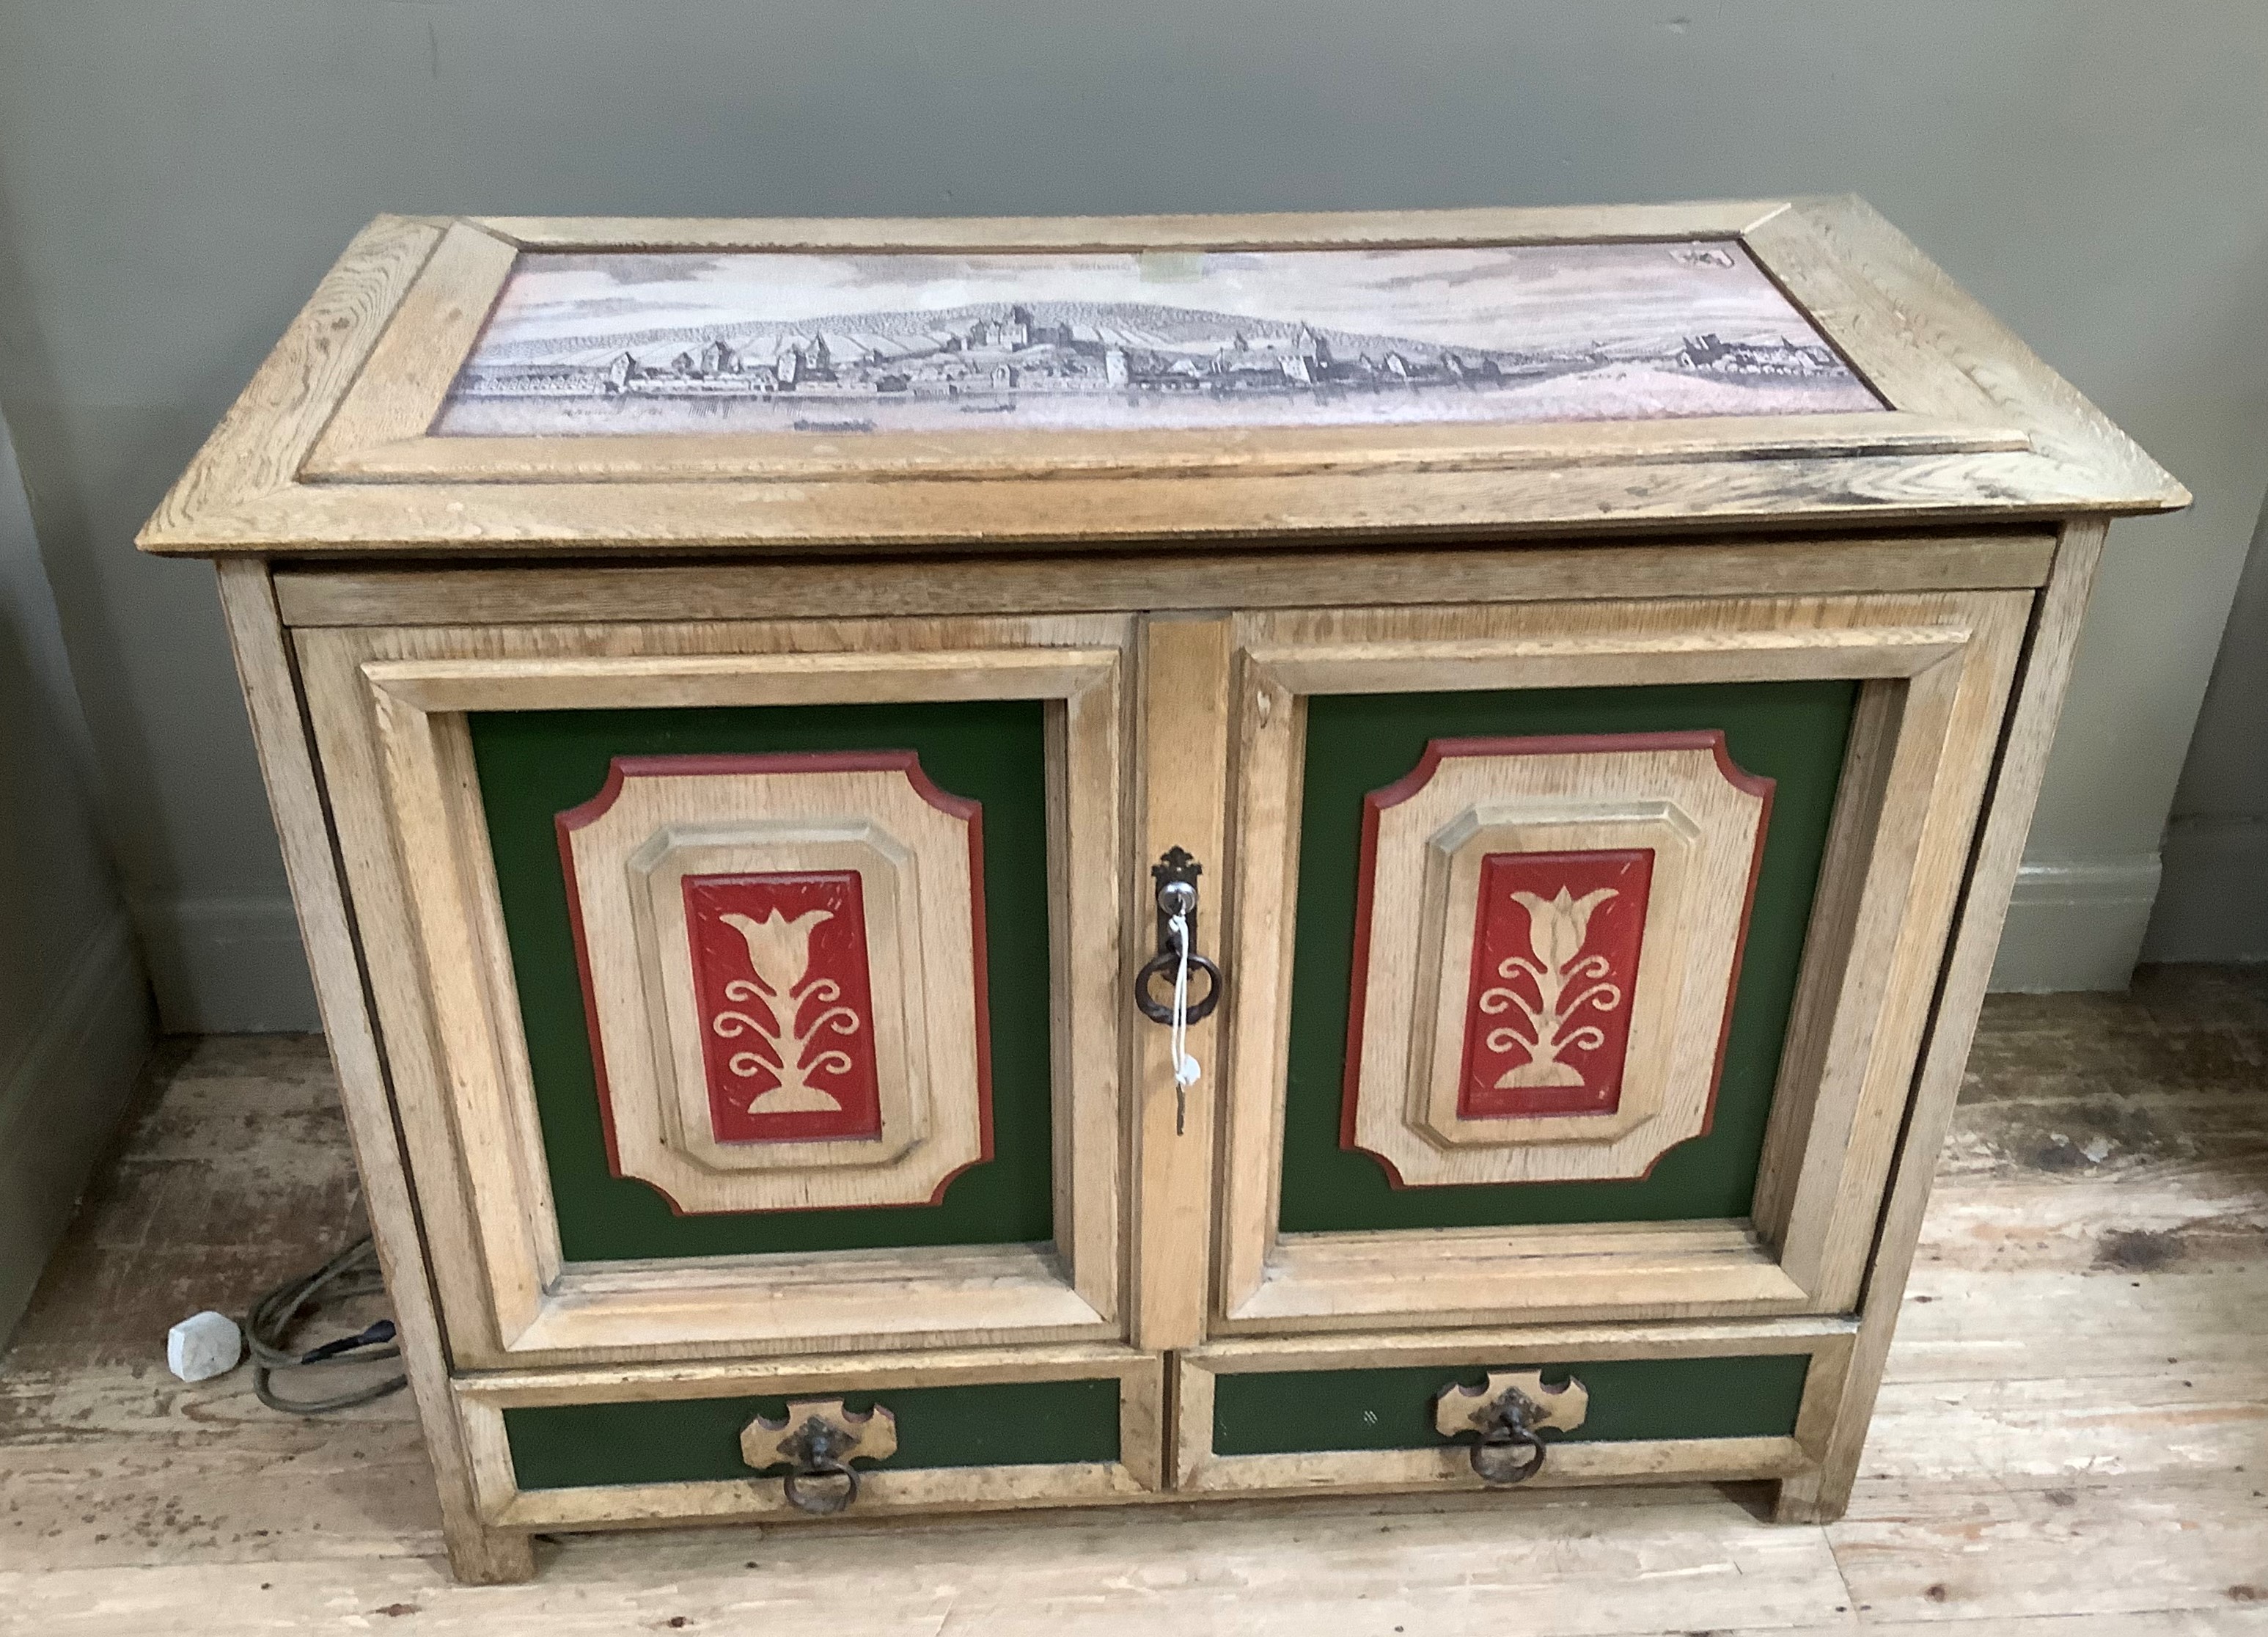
{"x":825,"y":1504}
{"x":1507,"y":1454}
{"x":1162,"y":965}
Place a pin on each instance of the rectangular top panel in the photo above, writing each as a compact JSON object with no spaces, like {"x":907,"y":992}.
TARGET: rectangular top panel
{"x":695,"y":342}
{"x":489,"y":387}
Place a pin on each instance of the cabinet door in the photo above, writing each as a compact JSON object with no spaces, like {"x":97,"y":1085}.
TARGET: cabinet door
{"x":1581,"y":951}
{"x":747,"y":988}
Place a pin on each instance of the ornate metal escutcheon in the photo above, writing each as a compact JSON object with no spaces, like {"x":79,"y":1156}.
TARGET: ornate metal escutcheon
{"x":1176,"y":874}
{"x":817,"y":1440}
{"x":1505,"y":1417}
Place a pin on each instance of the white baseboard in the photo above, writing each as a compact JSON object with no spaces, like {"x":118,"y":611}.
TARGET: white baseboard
{"x":2214,"y":903}
{"x":61,"y":1102}
{"x":2076,"y":925}
{"x":227,"y":966}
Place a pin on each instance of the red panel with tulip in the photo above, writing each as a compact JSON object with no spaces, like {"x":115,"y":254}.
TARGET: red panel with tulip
{"x":787,"y":1019}
{"x":1555,"y":941}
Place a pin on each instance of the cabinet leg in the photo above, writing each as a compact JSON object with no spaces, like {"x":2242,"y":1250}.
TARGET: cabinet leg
{"x":1817,"y":1497}
{"x":480,"y":1556}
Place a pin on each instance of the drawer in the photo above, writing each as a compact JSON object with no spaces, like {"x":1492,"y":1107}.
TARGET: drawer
{"x":1357,"y":1413}
{"x":588,"y":1449}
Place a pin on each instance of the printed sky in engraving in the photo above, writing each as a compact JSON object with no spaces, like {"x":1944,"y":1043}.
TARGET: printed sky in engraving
{"x":686,"y":341}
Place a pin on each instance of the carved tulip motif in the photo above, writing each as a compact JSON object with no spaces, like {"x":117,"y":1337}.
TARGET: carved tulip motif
{"x":780,"y":954}
{"x":1566,"y":980}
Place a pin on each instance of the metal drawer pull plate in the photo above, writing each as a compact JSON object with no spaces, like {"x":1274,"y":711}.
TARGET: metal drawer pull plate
{"x":817,"y":1440}
{"x":1505,"y":1417}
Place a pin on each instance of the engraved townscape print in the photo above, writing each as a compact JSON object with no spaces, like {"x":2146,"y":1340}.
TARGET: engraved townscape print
{"x":692,"y":342}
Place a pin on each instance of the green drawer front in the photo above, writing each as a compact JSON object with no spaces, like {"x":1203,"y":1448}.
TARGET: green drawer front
{"x":1287,"y":1411}
{"x":1793,"y":732}
{"x":695,"y":1440}
{"x":534,"y":764}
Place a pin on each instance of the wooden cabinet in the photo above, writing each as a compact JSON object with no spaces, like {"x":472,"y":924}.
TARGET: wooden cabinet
{"x":962,"y":865}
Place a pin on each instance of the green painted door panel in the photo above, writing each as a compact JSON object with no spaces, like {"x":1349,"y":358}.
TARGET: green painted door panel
{"x":1793,"y":732}
{"x":533,"y":764}
{"x":1284,"y":1411}
{"x":693,"y":1439}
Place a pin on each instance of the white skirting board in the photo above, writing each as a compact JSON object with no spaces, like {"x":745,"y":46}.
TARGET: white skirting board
{"x":2076,"y":925}
{"x":61,"y":1102}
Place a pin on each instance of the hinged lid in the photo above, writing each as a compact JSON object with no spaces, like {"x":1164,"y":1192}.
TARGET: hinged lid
{"x":489,"y":386}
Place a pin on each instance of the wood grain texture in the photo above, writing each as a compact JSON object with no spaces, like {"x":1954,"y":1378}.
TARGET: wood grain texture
{"x":2020,"y":765}
{"x":1947,"y":322}
{"x":663,"y":516}
{"x":1184,"y":770}
{"x":327,"y":925}
{"x":256,"y":449}
{"x":415,"y":357}
{"x":1157,"y":579}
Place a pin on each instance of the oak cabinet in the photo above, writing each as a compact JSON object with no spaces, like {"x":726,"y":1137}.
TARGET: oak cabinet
{"x":956,"y":865}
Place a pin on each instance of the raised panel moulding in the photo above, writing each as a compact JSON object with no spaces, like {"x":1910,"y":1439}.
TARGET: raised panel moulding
{"x":1547,"y":947}
{"x":783,"y":965}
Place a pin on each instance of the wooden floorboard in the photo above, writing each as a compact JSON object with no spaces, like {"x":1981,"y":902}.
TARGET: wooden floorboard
{"x":2072,"y":1441}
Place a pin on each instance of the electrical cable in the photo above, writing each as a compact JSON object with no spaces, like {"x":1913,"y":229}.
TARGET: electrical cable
{"x":352,"y":1272}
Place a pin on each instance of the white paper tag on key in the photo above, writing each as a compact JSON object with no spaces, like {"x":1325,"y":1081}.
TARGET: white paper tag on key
{"x":1186,"y":1072}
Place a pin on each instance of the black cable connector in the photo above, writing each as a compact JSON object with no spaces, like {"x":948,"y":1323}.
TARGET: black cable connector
{"x":268,"y":1328}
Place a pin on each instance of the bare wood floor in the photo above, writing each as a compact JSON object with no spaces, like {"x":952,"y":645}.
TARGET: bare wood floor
{"x":2072,"y":1442}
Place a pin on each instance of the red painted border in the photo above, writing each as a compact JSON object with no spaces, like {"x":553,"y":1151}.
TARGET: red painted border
{"x":1439,"y":750}
{"x":966,"y":808}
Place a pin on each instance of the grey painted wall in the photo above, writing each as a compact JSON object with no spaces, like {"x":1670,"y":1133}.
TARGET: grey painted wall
{"x":176,"y":174}
{"x":2214,"y":902}
{"x":74,"y":1008}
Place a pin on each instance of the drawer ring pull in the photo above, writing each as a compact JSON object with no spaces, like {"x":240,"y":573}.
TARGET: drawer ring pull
{"x":819,"y":1461}
{"x":816,"y":1441}
{"x":1508,"y":1451}
{"x":1505,"y":1417}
